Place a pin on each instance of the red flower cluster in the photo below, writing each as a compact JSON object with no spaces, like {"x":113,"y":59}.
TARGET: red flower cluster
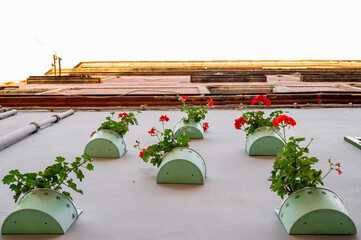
{"x":210,"y":102}
{"x":205,"y":126}
{"x":238,"y":123}
{"x":261,"y":98}
{"x":152,"y":131}
{"x":284,"y":118}
{"x":164,"y":118}
{"x":338,"y":169}
{"x":142,"y":152}
{"x":185,"y":97}
{"x":122,"y":114}
{"x":335,"y":166}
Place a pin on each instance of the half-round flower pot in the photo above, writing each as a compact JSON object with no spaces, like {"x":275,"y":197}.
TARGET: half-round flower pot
{"x":315,"y":210}
{"x":264,"y":141}
{"x":182,"y":165}
{"x":191,"y":128}
{"x":41,"y":211}
{"x":105,"y":144}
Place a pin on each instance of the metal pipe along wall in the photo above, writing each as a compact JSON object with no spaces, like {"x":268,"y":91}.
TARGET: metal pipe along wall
{"x":15,"y":136}
{"x":8,"y":114}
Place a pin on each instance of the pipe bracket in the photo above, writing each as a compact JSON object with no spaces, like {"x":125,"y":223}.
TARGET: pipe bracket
{"x":57,"y":117}
{"x":36,"y":124}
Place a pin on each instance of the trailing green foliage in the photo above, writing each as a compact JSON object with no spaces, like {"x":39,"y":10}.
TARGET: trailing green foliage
{"x":155,"y":152}
{"x":251,"y":120}
{"x":292,"y":169}
{"x":54,"y":177}
{"x":256,"y":120}
{"x":197,"y":113}
{"x":122,"y":126}
{"x":166,"y":142}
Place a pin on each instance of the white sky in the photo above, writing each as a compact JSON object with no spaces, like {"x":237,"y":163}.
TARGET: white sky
{"x":117,"y":30}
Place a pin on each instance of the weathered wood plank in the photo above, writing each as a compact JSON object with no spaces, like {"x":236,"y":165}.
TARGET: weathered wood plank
{"x":240,"y":89}
{"x":62,"y":80}
{"x":228,"y":78}
{"x":330,"y":77}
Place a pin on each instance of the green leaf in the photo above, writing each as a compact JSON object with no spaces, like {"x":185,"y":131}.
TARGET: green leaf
{"x":14,"y":172}
{"x":67,"y":194}
{"x":79,"y":175}
{"x":90,"y":167}
{"x":50,"y":171}
{"x":60,"y":159}
{"x":8,"y":179}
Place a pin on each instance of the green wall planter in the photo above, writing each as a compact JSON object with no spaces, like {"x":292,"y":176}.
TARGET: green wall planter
{"x":182,"y":165}
{"x":264,"y":142}
{"x":105,"y":144}
{"x":356,"y":141}
{"x":315,"y":211}
{"x":41,"y":211}
{"x":193,"y":130}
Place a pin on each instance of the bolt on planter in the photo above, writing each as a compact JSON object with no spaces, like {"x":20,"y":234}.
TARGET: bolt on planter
{"x":41,"y":211}
{"x":264,"y":142}
{"x":193,"y":129}
{"x":182,"y":165}
{"x":315,"y":211}
{"x":105,"y":144}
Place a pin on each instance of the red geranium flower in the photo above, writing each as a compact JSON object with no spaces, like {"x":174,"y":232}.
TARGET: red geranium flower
{"x":238,"y":123}
{"x":185,"y":97}
{"x":267,"y":102}
{"x":284,"y":118}
{"x":210,"y":102}
{"x":205,"y":126}
{"x":152,"y":131}
{"x":122,"y":114}
{"x":339,"y":171}
{"x":338,"y":164}
{"x":164,"y":118}
{"x":261,"y":98}
{"x":141,"y":153}
{"x":93,"y":133}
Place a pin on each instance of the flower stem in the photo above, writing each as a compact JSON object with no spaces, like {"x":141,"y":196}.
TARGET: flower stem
{"x":328,"y":170}
{"x":284,"y":132}
{"x":309,"y":143}
{"x":281,"y":137}
{"x":156,"y":134}
{"x":327,"y":173}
